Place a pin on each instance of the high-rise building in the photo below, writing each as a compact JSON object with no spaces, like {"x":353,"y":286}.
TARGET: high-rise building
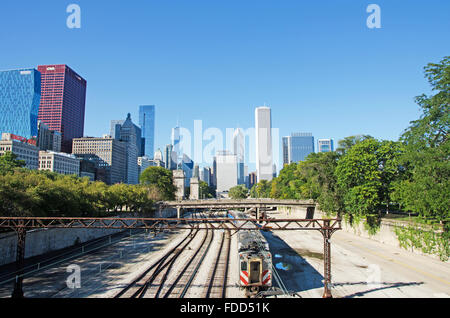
{"x":169,"y":158}
{"x":20,"y":94}
{"x":105,"y":152}
{"x":252,"y":179}
{"x":116,"y":125}
{"x":205,"y":175}
{"x":286,"y":150}
{"x":264,"y":152}
{"x":176,"y":143}
{"x":48,"y":139}
{"x":227,"y":172}
{"x":196,"y":172}
{"x":325,"y":145}
{"x":297,"y":147}
{"x":239,"y":151}
{"x":130,"y":134}
{"x":143,"y":163}
{"x":158,"y":155}
{"x":147,"y":123}
{"x":63,"y":99}
{"x":187,"y":165}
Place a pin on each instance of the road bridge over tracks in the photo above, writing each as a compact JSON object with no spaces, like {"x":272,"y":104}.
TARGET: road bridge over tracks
{"x":257,"y":205}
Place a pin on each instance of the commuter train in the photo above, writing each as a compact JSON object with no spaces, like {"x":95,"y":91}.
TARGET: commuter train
{"x":255,"y":259}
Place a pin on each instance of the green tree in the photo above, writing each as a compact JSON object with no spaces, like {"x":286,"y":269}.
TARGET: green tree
{"x":426,"y":186}
{"x":261,"y":189}
{"x":238,"y":192}
{"x":365,"y":175}
{"x":9,"y":161}
{"x":162,"y":181}
{"x":206,"y":192}
{"x":345,"y":144}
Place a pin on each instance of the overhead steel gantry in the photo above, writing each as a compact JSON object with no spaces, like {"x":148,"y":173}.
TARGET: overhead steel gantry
{"x":21,"y":224}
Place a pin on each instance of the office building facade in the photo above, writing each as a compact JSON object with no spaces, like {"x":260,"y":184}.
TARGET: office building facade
{"x":297,"y":147}
{"x":61,"y":163}
{"x":169,"y":158}
{"x":147,"y":124}
{"x":63,"y":101}
{"x":48,"y":139}
{"x":107,"y":153}
{"x":129,"y":133}
{"x":264,"y":151}
{"x":325,"y":145}
{"x":187,"y":165}
{"x":20,"y":94}
{"x":176,"y":143}
{"x":239,"y":151}
{"x":227,"y":171}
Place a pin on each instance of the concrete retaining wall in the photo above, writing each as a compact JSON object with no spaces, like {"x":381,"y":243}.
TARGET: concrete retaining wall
{"x":385,"y":234}
{"x":42,"y":241}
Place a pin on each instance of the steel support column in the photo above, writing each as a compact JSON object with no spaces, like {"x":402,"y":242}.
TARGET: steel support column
{"x":327,"y":231}
{"x":20,"y":256}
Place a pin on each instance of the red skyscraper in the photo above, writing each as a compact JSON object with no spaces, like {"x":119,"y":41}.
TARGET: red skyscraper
{"x":63,"y":99}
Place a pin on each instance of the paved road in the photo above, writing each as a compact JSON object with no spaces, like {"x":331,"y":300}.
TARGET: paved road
{"x":360,"y":267}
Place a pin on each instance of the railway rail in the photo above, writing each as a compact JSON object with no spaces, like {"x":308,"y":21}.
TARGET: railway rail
{"x":160,"y":281}
{"x":217,"y":286}
{"x":21,"y":224}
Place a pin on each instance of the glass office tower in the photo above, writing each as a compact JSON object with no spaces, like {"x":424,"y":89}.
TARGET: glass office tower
{"x":147,"y":123}
{"x":297,"y":147}
{"x":20,"y":94}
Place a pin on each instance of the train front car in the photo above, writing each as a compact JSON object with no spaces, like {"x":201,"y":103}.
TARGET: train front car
{"x":255,"y":260}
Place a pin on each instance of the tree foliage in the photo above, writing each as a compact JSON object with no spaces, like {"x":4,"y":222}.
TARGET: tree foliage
{"x":9,"y":161}
{"x":160,"y":182}
{"x":238,"y":192}
{"x":426,"y":187}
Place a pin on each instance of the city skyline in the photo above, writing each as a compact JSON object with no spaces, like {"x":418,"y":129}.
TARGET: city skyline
{"x":322,"y":59}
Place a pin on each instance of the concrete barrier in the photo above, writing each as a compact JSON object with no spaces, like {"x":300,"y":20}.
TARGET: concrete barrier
{"x":385,"y":234}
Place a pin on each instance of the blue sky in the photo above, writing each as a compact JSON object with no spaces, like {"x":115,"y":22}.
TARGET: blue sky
{"x":315,"y":63}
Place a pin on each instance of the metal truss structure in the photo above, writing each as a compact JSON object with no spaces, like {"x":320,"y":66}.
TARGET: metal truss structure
{"x":21,"y":224}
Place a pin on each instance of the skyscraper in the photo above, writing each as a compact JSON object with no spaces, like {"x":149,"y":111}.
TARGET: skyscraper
{"x":239,"y":151}
{"x":187,"y":165}
{"x":147,"y":123}
{"x":227,"y":172}
{"x":176,"y":140}
{"x":20,"y":93}
{"x":325,"y":145}
{"x":130,"y":134}
{"x":286,"y":150}
{"x":264,"y":154}
{"x":297,"y":147}
{"x":63,"y":99}
{"x":169,"y":158}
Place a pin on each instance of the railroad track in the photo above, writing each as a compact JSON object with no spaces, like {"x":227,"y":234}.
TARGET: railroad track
{"x":218,"y":276}
{"x":157,"y":281}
